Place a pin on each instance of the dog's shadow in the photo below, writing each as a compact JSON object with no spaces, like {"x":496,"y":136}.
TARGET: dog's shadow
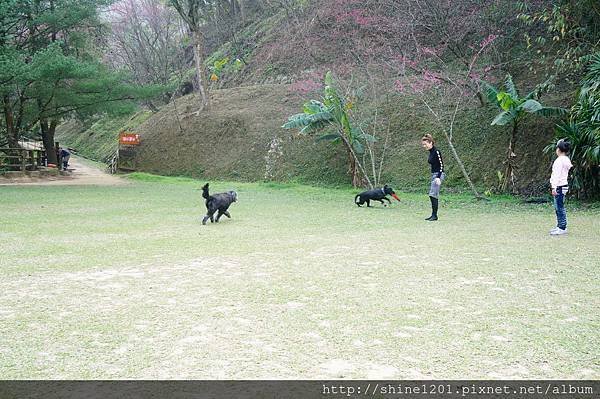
{"x":380,"y":207}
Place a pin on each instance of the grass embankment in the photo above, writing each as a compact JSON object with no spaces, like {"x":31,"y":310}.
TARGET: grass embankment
{"x":232,"y":140}
{"x":125,"y":282}
{"x":98,"y":140}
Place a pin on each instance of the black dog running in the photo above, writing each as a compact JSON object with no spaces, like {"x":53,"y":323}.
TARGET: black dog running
{"x":377,"y":194}
{"x":217,"y":202}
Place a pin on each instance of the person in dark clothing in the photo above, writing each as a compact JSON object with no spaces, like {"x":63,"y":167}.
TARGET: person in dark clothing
{"x":437,"y":174}
{"x":65,"y":155}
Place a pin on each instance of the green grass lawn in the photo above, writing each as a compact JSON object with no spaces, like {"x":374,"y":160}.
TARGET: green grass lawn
{"x":125,"y":282}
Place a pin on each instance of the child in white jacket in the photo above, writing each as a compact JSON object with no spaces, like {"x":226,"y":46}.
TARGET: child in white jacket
{"x":560,"y":185}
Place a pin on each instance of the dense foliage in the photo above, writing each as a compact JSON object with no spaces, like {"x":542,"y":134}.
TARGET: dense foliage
{"x":513,"y":109}
{"x":583,"y":132}
{"x":332,"y":115}
{"x":561,"y":33}
{"x":50,"y":69}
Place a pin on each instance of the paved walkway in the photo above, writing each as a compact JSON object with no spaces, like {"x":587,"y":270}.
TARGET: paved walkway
{"x":83,"y":172}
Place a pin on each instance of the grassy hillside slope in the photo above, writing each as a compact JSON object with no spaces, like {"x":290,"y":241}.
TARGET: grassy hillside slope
{"x":233,"y":139}
{"x":242,"y":134}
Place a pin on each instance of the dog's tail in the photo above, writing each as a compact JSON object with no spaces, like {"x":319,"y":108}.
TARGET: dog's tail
{"x":356,"y":198}
{"x":205,"y":191}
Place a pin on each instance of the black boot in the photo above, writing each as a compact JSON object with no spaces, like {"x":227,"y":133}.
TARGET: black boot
{"x":434,"y":210}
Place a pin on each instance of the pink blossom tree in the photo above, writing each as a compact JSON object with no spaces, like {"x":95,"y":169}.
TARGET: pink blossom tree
{"x":447,"y":62}
{"x":145,"y":40}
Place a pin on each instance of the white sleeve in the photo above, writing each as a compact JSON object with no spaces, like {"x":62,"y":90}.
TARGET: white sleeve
{"x":555,"y":172}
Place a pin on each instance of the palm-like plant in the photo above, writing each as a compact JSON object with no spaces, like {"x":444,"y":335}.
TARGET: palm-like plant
{"x":331,"y":116}
{"x":583,"y":133}
{"x":514,"y":109}
{"x":585,"y":154}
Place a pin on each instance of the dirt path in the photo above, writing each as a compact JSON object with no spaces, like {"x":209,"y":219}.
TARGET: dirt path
{"x":82,"y":172}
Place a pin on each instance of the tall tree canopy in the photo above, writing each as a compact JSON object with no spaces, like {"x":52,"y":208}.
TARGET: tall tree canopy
{"x":50,"y":67}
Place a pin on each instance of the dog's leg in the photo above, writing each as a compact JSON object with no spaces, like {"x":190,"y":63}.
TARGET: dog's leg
{"x":219,"y":214}
{"x":368,"y":203}
{"x":380,"y":200}
{"x":226,"y":213}
{"x":210,"y":215}
{"x":388,"y":200}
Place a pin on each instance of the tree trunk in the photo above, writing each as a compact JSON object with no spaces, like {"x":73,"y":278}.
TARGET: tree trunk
{"x":509,"y":176}
{"x":449,"y":136}
{"x":151,"y":106}
{"x":355,"y":168}
{"x":356,"y":180}
{"x":199,"y":59}
{"x":48,"y":129}
{"x":242,"y":6}
{"x":11,"y":131}
{"x":462,"y":167}
{"x":482,"y":102}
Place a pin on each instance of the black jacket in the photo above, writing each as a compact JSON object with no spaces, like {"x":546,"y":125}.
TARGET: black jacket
{"x":435,"y":159}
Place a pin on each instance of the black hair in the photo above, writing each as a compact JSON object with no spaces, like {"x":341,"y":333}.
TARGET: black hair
{"x":564,"y":146}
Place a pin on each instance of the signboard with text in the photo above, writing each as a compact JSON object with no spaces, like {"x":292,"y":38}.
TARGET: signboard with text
{"x":127,"y":138}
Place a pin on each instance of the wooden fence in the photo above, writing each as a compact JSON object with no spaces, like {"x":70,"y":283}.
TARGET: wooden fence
{"x":20,"y":159}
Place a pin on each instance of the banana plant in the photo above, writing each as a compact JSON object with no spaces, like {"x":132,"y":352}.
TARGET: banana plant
{"x":513,"y":109}
{"x":331,"y":117}
{"x":583,"y":132}
{"x":585,"y":154}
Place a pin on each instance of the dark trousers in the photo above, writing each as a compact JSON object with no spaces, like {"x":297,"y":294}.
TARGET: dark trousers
{"x":559,"y":207}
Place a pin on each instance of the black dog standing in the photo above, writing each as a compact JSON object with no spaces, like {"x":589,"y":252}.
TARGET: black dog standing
{"x":377,"y":194}
{"x":217,"y":202}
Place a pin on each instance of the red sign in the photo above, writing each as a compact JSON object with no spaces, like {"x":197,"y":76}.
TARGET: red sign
{"x":129,"y":138}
